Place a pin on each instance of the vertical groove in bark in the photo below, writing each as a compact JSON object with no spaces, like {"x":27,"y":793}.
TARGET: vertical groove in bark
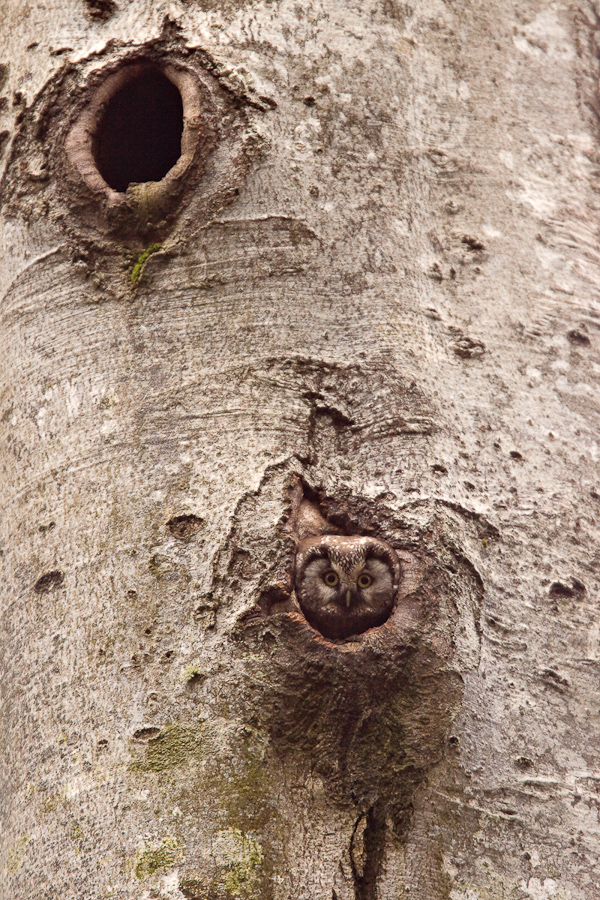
{"x":367,"y":850}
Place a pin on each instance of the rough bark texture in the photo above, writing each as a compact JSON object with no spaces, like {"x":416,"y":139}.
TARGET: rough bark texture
{"x":374,"y":289}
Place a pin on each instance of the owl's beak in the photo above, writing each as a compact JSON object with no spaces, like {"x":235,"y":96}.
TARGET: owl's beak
{"x":348,"y":598}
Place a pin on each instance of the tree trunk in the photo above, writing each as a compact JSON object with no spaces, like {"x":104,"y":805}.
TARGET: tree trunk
{"x":289,"y":285}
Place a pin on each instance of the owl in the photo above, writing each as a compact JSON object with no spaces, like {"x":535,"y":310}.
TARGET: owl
{"x":346,"y":585}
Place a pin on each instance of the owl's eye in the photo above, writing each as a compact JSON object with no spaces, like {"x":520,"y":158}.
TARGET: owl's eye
{"x":364,"y":580}
{"x":330,"y":579}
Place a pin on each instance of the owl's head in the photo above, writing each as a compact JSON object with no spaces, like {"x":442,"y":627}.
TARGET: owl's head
{"x":346,"y":585}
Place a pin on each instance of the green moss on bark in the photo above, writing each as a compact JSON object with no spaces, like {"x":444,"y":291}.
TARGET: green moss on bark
{"x":159,"y":859}
{"x":138,"y":268}
{"x":172,"y":747}
{"x":240,"y":860}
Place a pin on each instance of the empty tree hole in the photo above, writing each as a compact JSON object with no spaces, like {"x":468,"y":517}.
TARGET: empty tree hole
{"x":138,"y":137}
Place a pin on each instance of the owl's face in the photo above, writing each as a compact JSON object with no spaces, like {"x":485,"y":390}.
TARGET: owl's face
{"x":346,"y":585}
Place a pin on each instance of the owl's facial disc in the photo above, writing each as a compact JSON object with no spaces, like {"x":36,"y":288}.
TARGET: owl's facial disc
{"x":346,"y":585}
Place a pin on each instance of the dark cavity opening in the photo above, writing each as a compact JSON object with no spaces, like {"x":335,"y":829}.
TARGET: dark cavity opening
{"x":139,"y":136}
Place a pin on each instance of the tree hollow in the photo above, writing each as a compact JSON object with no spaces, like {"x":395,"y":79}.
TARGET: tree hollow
{"x":138,"y":138}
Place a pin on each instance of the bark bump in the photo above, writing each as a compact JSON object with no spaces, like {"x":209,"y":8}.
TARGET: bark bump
{"x":49,"y":582}
{"x":184,"y":527}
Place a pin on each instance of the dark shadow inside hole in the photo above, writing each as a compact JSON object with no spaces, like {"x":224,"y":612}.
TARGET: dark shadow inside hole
{"x":139,"y":136}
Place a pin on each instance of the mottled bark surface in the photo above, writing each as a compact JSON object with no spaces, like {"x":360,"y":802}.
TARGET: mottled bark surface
{"x":373,"y":289}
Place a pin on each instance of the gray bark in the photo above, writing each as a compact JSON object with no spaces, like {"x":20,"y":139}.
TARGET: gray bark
{"x":373,"y":290}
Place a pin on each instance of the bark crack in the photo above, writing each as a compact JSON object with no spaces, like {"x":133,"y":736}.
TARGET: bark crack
{"x":367,"y":847}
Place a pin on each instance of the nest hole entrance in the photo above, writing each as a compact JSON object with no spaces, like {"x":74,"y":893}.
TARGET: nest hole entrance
{"x":138,"y":137}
